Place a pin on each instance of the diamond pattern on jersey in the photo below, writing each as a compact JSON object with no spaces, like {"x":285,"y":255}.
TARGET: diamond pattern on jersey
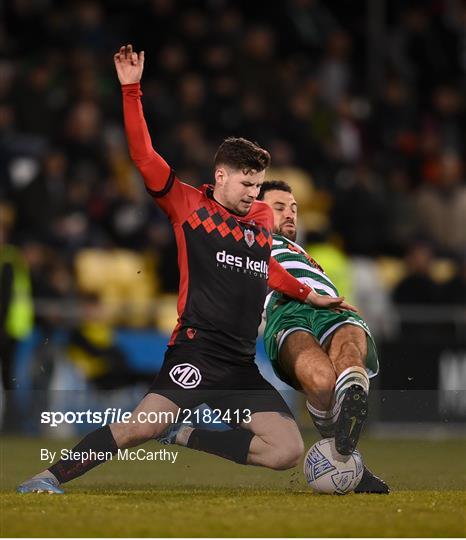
{"x":214,"y":219}
{"x":261,"y":239}
{"x":194,"y":220}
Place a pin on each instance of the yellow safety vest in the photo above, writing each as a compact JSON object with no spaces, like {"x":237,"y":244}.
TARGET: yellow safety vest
{"x":20,"y":315}
{"x":336,"y":264}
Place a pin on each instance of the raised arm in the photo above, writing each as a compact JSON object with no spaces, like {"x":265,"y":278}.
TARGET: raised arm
{"x":170,"y":194}
{"x":129,"y":66}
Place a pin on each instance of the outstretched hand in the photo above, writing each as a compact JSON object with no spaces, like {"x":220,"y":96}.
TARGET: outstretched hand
{"x":328,"y":302}
{"x":129,"y":65}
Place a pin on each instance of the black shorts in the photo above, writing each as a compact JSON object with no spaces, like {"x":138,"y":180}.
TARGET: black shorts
{"x":190,"y":377}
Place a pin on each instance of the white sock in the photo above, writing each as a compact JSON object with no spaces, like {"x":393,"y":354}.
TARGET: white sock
{"x":351,"y":375}
{"x":324,"y":421}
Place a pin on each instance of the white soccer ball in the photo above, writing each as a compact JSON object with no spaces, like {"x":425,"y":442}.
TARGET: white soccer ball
{"x":327,"y":471}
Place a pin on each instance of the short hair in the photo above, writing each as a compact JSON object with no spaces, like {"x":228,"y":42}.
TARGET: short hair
{"x":270,"y":185}
{"x":241,"y":154}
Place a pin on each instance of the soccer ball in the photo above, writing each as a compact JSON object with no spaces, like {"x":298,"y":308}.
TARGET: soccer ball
{"x":327,"y":471}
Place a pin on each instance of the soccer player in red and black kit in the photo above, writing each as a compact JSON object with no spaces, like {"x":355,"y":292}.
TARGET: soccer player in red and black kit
{"x":224,"y":244}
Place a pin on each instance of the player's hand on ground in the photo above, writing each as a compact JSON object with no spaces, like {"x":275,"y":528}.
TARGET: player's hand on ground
{"x":328,"y":302}
{"x":129,"y":65}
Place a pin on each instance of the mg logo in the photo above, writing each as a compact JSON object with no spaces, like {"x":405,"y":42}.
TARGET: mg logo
{"x":185,"y":375}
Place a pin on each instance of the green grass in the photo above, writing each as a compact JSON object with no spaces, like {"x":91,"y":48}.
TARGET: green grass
{"x":202,"y":495}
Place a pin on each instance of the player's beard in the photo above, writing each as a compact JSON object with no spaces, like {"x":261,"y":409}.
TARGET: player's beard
{"x":290,"y":235}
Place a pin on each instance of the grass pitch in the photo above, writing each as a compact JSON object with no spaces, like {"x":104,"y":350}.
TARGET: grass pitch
{"x":202,"y":495}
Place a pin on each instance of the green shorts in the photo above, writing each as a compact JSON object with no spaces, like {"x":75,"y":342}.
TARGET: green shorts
{"x":321,"y":323}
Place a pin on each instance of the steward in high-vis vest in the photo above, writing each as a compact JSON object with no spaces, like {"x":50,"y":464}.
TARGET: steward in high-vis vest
{"x":16,"y":306}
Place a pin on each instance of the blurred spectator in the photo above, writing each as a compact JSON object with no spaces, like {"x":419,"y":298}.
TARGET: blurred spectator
{"x":418,"y":287}
{"x":454,"y":289}
{"x":297,"y":128}
{"x":89,"y":30}
{"x":16,"y":307}
{"x":360,"y":211}
{"x":442,"y":208}
{"x":335,"y":70}
{"x":37,"y":103}
{"x":448,"y":117}
{"x":347,"y":135}
{"x":401,"y":216}
{"x":394,"y":122}
{"x":420,"y":51}
{"x":372,"y":297}
{"x":83,"y":143}
{"x":41,"y":200}
{"x":310,"y":21}
{"x":416,"y":293}
{"x":324,"y":249}
{"x":93,"y":350}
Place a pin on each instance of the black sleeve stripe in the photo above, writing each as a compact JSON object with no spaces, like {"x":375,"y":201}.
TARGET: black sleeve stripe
{"x":166,"y":189}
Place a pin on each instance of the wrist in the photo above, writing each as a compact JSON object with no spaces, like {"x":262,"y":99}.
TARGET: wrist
{"x":131,"y":89}
{"x":131,"y":85}
{"x":305,"y":294}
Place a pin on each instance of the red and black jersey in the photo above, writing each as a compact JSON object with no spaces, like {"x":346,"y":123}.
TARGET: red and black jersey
{"x":224,"y":259}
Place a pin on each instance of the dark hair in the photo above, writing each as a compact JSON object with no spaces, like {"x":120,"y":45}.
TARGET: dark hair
{"x":270,"y":185}
{"x":242,"y":154}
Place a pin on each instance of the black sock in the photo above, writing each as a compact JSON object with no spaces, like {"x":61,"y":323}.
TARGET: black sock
{"x":100,"y":440}
{"x":232,"y":444}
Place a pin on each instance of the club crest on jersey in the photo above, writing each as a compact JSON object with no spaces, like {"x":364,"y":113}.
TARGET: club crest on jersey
{"x":249,"y":237}
{"x":185,"y":375}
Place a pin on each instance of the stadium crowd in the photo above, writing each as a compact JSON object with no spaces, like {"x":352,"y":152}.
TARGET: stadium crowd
{"x":377,"y":163}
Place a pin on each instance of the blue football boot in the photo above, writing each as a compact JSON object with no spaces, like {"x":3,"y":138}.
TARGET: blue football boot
{"x":39,"y":485}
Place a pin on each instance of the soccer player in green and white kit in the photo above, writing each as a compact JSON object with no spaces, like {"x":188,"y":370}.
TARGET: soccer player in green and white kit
{"x":329,"y":355}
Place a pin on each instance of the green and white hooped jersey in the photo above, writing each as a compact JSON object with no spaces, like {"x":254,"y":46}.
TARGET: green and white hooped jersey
{"x":284,"y":315}
{"x":298,"y":263}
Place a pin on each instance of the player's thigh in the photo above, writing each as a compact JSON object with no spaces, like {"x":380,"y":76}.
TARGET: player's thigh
{"x":157,"y":407}
{"x":150,"y":418}
{"x":305,"y":362}
{"x":350,"y":341}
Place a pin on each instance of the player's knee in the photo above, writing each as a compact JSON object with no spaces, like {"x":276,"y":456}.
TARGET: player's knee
{"x":352,"y":342}
{"x":352,"y":351}
{"x":324,"y":380}
{"x":287,"y":455}
{"x":322,"y":385}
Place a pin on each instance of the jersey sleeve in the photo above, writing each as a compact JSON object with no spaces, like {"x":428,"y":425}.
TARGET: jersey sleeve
{"x":282,"y":281}
{"x":174,"y":197}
